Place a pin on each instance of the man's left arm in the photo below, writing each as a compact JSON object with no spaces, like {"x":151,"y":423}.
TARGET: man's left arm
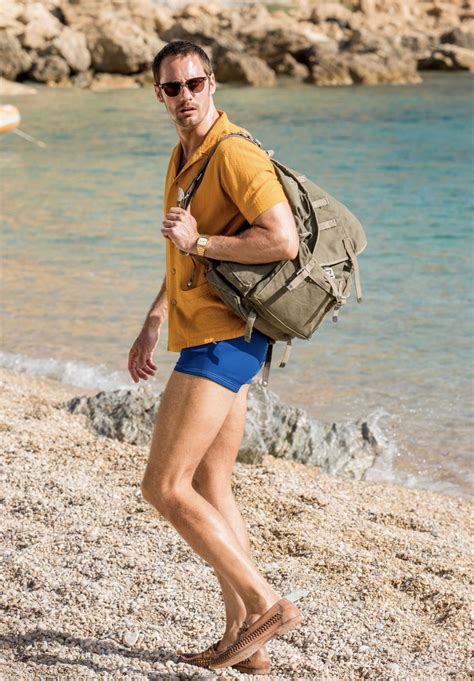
{"x":270,"y":238}
{"x":249,"y":180}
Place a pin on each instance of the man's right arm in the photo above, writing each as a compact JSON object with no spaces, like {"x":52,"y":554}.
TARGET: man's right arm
{"x":158,"y":312}
{"x":140,"y":357}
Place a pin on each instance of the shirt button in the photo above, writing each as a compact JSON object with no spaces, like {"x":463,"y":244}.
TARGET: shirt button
{"x":173,"y":270}
{"x":173,"y":301}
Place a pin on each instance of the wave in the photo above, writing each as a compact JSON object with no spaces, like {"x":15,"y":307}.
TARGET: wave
{"x":71,"y":372}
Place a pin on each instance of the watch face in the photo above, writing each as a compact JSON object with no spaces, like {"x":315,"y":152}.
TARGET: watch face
{"x":202,"y":241}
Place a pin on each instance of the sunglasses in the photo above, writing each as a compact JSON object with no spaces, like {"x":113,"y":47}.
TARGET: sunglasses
{"x":173,"y":87}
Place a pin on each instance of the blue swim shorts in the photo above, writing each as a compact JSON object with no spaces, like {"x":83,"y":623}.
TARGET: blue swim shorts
{"x":230,"y":362}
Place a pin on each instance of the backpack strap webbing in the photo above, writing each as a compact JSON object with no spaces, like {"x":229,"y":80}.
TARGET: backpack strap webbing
{"x":286,"y":355}
{"x":268,"y":361}
{"x":249,"y":325}
{"x":198,"y":178}
{"x":355,"y":265}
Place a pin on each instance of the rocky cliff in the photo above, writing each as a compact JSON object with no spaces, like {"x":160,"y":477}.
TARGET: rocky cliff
{"x":111,"y":43}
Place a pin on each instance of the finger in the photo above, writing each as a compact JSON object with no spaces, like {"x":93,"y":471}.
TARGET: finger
{"x":143,"y":366}
{"x":176,"y":210}
{"x":142,"y":374}
{"x":151,"y":363}
{"x":133,"y":374}
{"x":147,"y":370}
{"x":174,"y":216}
{"x":170,"y":224}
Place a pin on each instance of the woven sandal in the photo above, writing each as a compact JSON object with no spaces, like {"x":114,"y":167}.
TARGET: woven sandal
{"x":258,"y":663}
{"x":280,"y":618}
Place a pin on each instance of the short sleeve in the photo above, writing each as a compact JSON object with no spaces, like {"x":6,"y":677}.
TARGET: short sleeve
{"x":248,"y":177}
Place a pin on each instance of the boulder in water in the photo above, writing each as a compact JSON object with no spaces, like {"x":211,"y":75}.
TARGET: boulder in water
{"x":72,"y":47}
{"x":272,"y":427}
{"x":13,"y":59}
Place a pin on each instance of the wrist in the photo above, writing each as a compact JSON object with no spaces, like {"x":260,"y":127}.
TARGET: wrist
{"x":202,"y":244}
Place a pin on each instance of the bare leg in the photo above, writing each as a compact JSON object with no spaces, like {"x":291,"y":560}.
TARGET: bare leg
{"x":212,"y":480}
{"x":191,"y":414}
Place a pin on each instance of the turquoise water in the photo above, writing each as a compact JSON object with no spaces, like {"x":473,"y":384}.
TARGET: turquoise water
{"x":83,"y":256}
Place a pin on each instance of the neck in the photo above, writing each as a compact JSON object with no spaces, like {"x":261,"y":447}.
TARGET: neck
{"x":191,"y":139}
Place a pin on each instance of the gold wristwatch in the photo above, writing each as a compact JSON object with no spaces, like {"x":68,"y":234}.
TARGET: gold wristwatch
{"x":201,"y":244}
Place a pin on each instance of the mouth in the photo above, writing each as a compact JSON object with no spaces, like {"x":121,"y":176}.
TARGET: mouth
{"x":187,"y":110}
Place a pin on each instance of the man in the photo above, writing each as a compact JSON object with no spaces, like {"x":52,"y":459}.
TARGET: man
{"x":200,"y":421}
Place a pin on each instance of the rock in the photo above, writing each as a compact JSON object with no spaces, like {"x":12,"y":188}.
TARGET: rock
{"x":448,"y":58}
{"x":41,"y":27}
{"x":459,"y":37}
{"x":124,"y":415}
{"x":13,"y":59}
{"x":272,"y":427}
{"x":394,"y":669}
{"x":363,"y":41}
{"x":326,"y":67}
{"x":374,"y":69}
{"x":143,"y":14}
{"x":163,"y":19}
{"x":332,"y":11}
{"x":271,"y":43}
{"x":237,"y":67}
{"x":12,"y":89}
{"x":10,"y":10}
{"x":72,"y":46}
{"x":130,"y":637}
{"x":82,"y":79}
{"x":110,"y":81}
{"x":367,"y":57}
{"x":419,"y":43}
{"x":49,"y":68}
{"x":119,"y":46}
{"x":9,"y":13}
{"x":288,"y":66}
{"x":198,"y":30}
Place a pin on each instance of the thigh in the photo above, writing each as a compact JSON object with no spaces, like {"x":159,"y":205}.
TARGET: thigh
{"x":191,"y":413}
{"x":217,"y":463}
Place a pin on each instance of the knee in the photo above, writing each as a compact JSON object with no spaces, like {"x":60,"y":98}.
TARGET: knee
{"x":161,"y":494}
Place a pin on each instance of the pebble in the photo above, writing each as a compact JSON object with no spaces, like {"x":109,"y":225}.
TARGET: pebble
{"x":393,"y":668}
{"x":130,"y":637}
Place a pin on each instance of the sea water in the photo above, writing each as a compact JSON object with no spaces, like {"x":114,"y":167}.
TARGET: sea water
{"x":83,"y":255}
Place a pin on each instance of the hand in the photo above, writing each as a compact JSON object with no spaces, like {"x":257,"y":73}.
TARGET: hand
{"x":140,"y":362}
{"x":181,"y":227}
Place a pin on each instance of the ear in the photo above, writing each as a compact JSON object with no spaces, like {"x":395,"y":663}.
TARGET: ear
{"x":212,"y":83}
{"x":158,"y":93}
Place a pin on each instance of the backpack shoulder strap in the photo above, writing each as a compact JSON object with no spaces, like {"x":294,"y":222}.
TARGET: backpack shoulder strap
{"x":184,"y":203}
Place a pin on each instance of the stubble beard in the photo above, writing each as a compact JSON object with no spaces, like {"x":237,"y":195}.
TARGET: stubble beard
{"x":191,"y":125}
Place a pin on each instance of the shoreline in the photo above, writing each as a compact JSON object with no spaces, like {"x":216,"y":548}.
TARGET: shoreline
{"x":385,"y":468}
{"x":98,"y":583}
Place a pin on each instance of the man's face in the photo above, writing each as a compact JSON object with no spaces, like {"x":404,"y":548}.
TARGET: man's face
{"x":187,"y":110}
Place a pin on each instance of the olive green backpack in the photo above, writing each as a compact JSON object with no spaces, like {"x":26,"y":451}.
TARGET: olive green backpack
{"x":289,"y":298}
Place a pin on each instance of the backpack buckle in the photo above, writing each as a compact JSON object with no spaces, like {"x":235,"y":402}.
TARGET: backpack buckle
{"x":330,"y":272}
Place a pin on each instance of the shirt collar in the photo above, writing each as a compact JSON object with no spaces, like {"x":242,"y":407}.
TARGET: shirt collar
{"x":218,"y":128}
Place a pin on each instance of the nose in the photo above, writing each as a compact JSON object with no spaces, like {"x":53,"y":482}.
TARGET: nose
{"x":186,"y":92}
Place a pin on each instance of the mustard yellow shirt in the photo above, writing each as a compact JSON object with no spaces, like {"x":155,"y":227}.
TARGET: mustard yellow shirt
{"x":239,"y":184}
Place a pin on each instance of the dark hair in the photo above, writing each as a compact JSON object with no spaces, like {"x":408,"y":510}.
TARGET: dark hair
{"x":180,"y":48}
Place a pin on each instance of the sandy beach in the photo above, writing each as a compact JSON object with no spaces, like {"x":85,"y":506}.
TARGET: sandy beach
{"x":97,"y":585}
